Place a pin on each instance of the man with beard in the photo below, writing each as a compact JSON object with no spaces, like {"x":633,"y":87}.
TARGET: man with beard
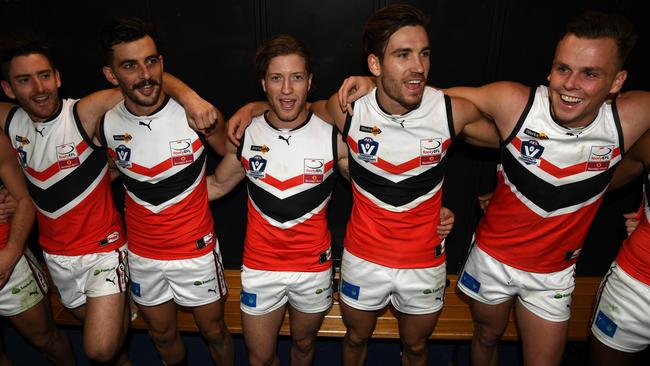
{"x":80,"y":230}
{"x":173,"y":252}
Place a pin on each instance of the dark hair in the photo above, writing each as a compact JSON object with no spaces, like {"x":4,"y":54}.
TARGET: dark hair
{"x":122,"y":30}
{"x":387,"y":21}
{"x":22,"y":46}
{"x":595,"y":24}
{"x":281,"y":45}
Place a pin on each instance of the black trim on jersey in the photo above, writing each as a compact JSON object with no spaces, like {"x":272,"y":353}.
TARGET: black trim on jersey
{"x":67,"y":189}
{"x":391,"y":114}
{"x":450,"y":117}
{"x":295,"y":206}
{"x":82,"y":130}
{"x":302,"y":124}
{"x":522,"y":118}
{"x":335,"y":148}
{"x":168,"y":188}
{"x":646,"y":182}
{"x":348,"y":123}
{"x":10,"y":116}
{"x":240,"y":148}
{"x":160,"y":107}
{"x":102,"y":133}
{"x":619,"y":129}
{"x":56,"y":114}
{"x":548,"y":196}
{"x":400,"y":193}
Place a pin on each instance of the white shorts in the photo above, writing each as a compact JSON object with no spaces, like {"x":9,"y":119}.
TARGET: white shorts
{"x":89,"y":275}
{"x":547,"y":295}
{"x":25,"y":288}
{"x":190,"y":282}
{"x":621,"y":318}
{"x":265,"y":291}
{"x":369,"y":286}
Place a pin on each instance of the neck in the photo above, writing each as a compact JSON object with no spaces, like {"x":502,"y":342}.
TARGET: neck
{"x":144,"y":110}
{"x":276,"y":122}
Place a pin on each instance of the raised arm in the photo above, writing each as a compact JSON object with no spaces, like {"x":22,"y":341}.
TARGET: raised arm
{"x":342,"y":158}
{"x":633,"y":164}
{"x":228,"y":174}
{"x":216,"y":135}
{"x":472,"y":125}
{"x":23,"y":217}
{"x":239,"y":121}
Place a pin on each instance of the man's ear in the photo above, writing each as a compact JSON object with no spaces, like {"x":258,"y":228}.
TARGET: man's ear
{"x":109,"y":75}
{"x":374,"y":64}
{"x":263,"y":82}
{"x":618,"y":82}
{"x":7,"y":89}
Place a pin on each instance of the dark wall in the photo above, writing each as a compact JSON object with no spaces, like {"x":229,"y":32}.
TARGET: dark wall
{"x":211,"y":44}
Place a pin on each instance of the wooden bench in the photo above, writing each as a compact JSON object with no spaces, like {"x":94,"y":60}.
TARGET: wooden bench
{"x":455,"y":322}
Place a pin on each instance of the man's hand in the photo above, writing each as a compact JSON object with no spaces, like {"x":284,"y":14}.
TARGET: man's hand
{"x":8,"y":261}
{"x":446,"y":222}
{"x":484,"y":201}
{"x":352,"y":89}
{"x":239,"y":121}
{"x":7,"y":205}
{"x":631,"y":222}
{"x":201,"y":114}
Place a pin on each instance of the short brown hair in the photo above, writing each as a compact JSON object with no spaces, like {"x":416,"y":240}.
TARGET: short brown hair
{"x":387,"y":21}
{"x":281,"y":45}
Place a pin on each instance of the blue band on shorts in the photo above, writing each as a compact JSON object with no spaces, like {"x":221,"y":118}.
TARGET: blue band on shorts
{"x":350,"y":290}
{"x":248,"y":299}
{"x":605,"y":324}
{"x":470,"y":282}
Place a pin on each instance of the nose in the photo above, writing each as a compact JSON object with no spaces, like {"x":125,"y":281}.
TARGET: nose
{"x":287,"y":88}
{"x":144,"y":71}
{"x":38,"y":84}
{"x":571,"y":81}
{"x":418,"y":64}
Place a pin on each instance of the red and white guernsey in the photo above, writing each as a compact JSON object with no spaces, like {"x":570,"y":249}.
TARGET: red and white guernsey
{"x":68,"y":179}
{"x":397,"y":165}
{"x":550,"y":185}
{"x":634,"y":255}
{"x":290,"y":178}
{"x":162,"y":164}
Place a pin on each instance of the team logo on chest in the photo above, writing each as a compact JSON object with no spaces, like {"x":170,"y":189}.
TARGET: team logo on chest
{"x":181,"y":151}
{"x":66,"y":155}
{"x":123,"y":156}
{"x":600,"y":157}
{"x":430,"y":151}
{"x":314,"y":170}
{"x":531,"y":151}
{"x":256,"y":166}
{"x":368,"y":149}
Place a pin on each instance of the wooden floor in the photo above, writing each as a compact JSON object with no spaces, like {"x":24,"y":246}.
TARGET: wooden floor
{"x":455,"y":322}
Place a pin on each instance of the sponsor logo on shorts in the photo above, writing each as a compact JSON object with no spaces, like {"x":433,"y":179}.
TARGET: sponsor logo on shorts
{"x":374,"y":130}
{"x":135,"y":289}
{"x":429,"y":291}
{"x":600,"y":157}
{"x":535,"y":134}
{"x":531,"y":152}
{"x":605,"y":324}
{"x":16,"y":290}
{"x":561,"y":296}
{"x":201,"y":283}
{"x":368,"y":149}
{"x":350,"y":290}
{"x":248,"y":299}
{"x":470,"y":282}
{"x":102,"y":270}
{"x":66,"y":155}
{"x":321,"y":290}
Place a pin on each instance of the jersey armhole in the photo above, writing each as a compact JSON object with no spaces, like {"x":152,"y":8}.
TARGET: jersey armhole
{"x":10,"y":116}
{"x":346,"y":126}
{"x":522,"y":118}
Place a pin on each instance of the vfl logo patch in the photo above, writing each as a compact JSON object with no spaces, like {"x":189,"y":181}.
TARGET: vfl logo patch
{"x":605,"y":324}
{"x":368,"y":149}
{"x":470,"y":282}
{"x":22,"y":156}
{"x":374,"y":130}
{"x":181,"y":152}
{"x":531,"y":151}
{"x":263,"y":149}
{"x":248,"y":299}
{"x":126,"y":137}
{"x":66,"y":155}
{"x":256,"y":166}
{"x":600,"y":157}
{"x":350,"y":290}
{"x":535,"y":134}
{"x":314,"y":170}
{"x":123,"y":155}
{"x":430,"y":151}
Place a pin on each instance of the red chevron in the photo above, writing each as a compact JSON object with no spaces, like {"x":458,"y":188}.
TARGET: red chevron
{"x":283,"y":185}
{"x":390,"y":167}
{"x":158,"y":168}
{"x":556,"y":171}
{"x":54,"y":168}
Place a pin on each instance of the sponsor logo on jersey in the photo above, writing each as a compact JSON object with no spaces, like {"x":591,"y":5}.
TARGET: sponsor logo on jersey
{"x":205,"y":241}
{"x":314,"y":170}
{"x":263,"y":149}
{"x":572,"y":254}
{"x":600,"y":157}
{"x":256,"y":166}
{"x":181,"y":151}
{"x":350,"y":290}
{"x":123,"y":155}
{"x":430,"y":151}
{"x":248,"y":299}
{"x":368,"y":149}
{"x":325,"y":256}
{"x":125,"y":137}
{"x":22,"y":140}
{"x":111,"y":238}
{"x":605,"y":324}
{"x":374,"y":130}
{"x":531,"y":151}
{"x":440,"y":249}
{"x":535,"y":134}
{"x":66,"y":155}
{"x":22,"y":156}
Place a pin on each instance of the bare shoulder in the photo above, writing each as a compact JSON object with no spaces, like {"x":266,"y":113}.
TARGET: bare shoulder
{"x":634,"y":111}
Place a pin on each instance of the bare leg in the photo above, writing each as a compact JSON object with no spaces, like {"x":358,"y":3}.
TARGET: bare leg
{"x":209,"y":319}
{"x":37,"y":326}
{"x":360,"y":325}
{"x":414,"y":331}
{"x":603,"y":355}
{"x":163,"y":330}
{"x":261,"y":337}
{"x":490,"y":321}
{"x":304,"y":329}
{"x":543,"y":340}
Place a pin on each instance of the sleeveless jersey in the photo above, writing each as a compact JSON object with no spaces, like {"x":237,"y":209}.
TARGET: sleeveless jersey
{"x":397,"y":165}
{"x":634,"y":255}
{"x":290,"y":178}
{"x":550,"y":184}
{"x":68,"y":179}
{"x":162,"y":164}
{"x":4,"y":229}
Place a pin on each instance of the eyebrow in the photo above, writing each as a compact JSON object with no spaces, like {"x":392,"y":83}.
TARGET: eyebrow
{"x":37,"y":73}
